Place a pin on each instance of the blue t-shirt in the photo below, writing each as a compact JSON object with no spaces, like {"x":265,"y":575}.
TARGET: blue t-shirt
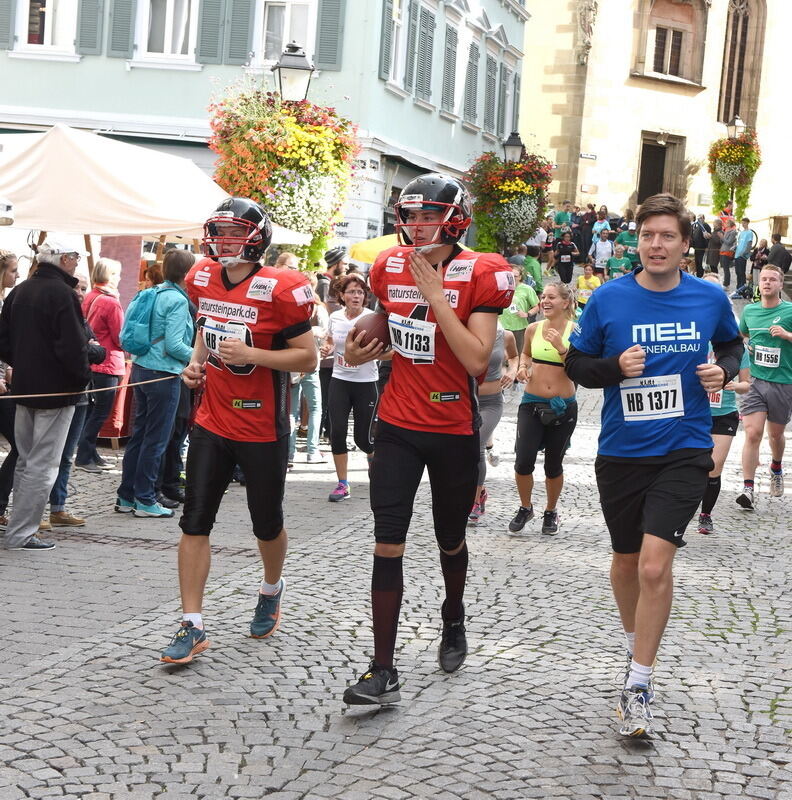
{"x":666,"y":408}
{"x":744,"y":242}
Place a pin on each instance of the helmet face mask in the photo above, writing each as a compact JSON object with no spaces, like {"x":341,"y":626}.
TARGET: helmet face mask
{"x":433,"y":192}
{"x":249,"y":236}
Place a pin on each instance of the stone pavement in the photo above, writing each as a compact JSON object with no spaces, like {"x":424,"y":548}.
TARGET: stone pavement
{"x":88,"y":712}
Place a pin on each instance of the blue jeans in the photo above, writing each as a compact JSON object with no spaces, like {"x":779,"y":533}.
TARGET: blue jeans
{"x":100,"y":410}
{"x":60,"y":489}
{"x":155,"y":411}
{"x":313,"y":397}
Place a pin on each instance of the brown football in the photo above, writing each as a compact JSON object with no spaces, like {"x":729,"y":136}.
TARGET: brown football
{"x":376,"y":327}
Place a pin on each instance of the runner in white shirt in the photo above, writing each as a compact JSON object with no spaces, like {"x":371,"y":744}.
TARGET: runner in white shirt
{"x":352,"y":388}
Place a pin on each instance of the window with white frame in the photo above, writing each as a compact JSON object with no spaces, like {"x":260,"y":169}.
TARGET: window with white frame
{"x":170,"y":29}
{"x":279,"y":22}
{"x":46,"y":24}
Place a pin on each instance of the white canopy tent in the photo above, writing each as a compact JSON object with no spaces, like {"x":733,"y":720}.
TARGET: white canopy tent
{"x":75,"y":182}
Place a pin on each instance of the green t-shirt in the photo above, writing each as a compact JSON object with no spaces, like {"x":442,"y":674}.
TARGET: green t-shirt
{"x":725,"y":402}
{"x":630,"y":243}
{"x":561,"y":220}
{"x":524,"y":300}
{"x":532,"y":267}
{"x":617,"y":266}
{"x":771,"y":356}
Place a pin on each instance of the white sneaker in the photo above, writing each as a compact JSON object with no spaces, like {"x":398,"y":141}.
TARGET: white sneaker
{"x":316,"y":458}
{"x":492,"y":457}
{"x":634,"y":712}
{"x":746,"y":499}
{"x":776,"y":484}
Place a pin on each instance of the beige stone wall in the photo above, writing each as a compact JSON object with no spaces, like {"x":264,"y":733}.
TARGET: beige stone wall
{"x":606,"y":116}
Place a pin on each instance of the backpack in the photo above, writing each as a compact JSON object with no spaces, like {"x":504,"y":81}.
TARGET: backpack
{"x":136,"y":333}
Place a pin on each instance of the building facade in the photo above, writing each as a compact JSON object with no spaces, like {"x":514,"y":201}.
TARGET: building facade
{"x":430,"y":83}
{"x":626,"y":96}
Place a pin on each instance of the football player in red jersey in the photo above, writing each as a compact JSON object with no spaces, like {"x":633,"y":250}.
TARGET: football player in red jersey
{"x":254,"y":327}
{"x":443,"y":305}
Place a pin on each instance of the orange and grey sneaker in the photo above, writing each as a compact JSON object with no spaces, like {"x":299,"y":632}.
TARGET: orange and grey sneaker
{"x":187,"y":643}
{"x":266,"y":617}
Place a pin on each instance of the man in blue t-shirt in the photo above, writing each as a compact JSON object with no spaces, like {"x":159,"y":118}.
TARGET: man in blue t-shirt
{"x":644,"y":339}
{"x":745,"y":240}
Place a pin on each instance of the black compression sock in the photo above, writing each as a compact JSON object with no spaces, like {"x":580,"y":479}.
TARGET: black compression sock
{"x":454,"y":575}
{"x":710,"y":495}
{"x":387,"y":586}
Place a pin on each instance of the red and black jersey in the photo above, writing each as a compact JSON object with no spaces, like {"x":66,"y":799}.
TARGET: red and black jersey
{"x":429,"y":389}
{"x":247,"y":403}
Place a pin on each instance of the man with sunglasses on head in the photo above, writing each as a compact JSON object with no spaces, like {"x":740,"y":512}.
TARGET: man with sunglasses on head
{"x":443,"y":305}
{"x":254,"y":327}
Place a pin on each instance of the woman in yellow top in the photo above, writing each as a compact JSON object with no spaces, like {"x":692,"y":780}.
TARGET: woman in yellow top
{"x":586,"y":284}
{"x":548,"y":410}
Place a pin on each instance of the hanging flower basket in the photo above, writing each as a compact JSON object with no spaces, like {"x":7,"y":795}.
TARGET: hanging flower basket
{"x":733,"y":163}
{"x":295,"y":158}
{"x":509,"y":198}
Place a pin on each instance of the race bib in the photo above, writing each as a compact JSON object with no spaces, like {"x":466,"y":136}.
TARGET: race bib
{"x":716,"y":399}
{"x":632,"y":250}
{"x":513,"y":308}
{"x":584,"y":294}
{"x":412,"y":338}
{"x":767,"y":356}
{"x":566,"y":259}
{"x":659,"y":397}
{"x":341,"y":361}
{"x":215,"y":332}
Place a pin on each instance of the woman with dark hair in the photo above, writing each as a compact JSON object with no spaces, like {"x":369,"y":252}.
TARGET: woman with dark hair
{"x":587,"y":226}
{"x":8,"y":277}
{"x":156,"y":403}
{"x":352,"y":388}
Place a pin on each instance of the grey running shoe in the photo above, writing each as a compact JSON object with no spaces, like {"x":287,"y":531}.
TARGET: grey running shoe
{"x":705,"y":524}
{"x":634,"y":712}
{"x":746,"y":499}
{"x":492,"y":457}
{"x":524,"y":514}
{"x":377,"y":686}
{"x":776,"y":484}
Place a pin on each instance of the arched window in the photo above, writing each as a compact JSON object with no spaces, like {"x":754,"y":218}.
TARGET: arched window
{"x":671,"y":36}
{"x":742,"y":60}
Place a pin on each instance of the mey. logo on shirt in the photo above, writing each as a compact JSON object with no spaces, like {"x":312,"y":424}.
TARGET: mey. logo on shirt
{"x":667,"y":337}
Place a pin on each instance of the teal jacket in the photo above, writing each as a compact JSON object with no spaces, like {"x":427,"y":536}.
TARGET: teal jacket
{"x":172,"y":331}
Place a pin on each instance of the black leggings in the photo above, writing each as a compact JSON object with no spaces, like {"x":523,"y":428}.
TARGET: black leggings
{"x":400,"y":457}
{"x":359,"y":398}
{"x":532,"y":436}
{"x":564,"y":271}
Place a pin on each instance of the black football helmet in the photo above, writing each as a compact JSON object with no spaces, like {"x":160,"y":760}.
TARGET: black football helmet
{"x":249,"y":246}
{"x":434,"y":192}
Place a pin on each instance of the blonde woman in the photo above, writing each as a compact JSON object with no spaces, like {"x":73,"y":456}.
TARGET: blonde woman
{"x":102,"y":309}
{"x":548,"y":410}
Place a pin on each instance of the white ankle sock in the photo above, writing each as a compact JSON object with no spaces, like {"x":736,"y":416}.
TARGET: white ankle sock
{"x":639,"y":674}
{"x":270,"y":588}
{"x":630,"y":637}
{"x":196,"y":619}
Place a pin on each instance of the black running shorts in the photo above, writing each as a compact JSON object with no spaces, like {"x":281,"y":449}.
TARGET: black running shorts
{"x":654,"y":496}
{"x":400,"y":456}
{"x":210,"y":465}
{"x":725,"y":424}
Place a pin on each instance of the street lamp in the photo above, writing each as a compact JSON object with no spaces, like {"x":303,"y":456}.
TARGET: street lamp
{"x":513,"y":147}
{"x":293,"y":72}
{"x":735,"y":128}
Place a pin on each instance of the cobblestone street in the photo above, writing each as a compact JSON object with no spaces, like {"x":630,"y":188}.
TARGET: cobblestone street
{"x":87,"y":711}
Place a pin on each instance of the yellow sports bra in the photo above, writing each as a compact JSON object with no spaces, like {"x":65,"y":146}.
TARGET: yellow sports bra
{"x":542,"y":352}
